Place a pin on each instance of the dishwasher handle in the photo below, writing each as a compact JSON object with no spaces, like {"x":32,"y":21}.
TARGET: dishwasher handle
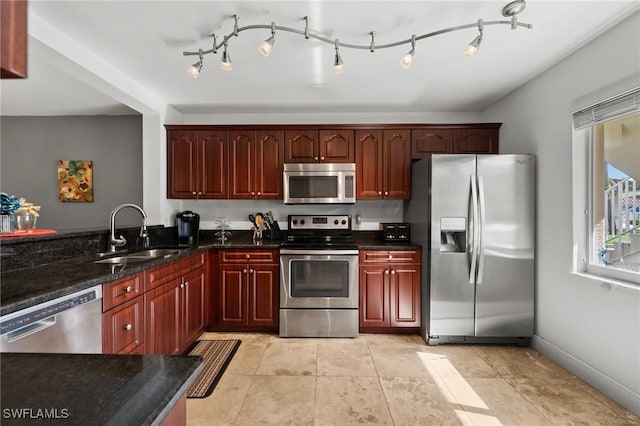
{"x":30,"y":329}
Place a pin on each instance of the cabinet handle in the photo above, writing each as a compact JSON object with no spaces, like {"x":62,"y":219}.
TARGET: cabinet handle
{"x":186,"y":284}
{"x":390,"y":257}
{"x":127,"y":289}
{"x":244,"y":271}
{"x":193,"y":193}
{"x":386,"y":192}
{"x":181,"y":285}
{"x":200,"y":192}
{"x":247,"y":256}
{"x":386,"y":272}
{"x":321,"y":158}
{"x":127,"y":327}
{"x":259,"y":193}
{"x":393,"y":272}
{"x":251,"y":271}
{"x":379,"y":192}
{"x":253,"y":193}
{"x":315,"y":158}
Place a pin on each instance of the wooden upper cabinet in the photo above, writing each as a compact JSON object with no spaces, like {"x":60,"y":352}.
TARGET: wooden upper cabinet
{"x":480,"y":140}
{"x":369,"y":164}
{"x":242,"y":153}
{"x":383,"y":167}
{"x":269,"y":162}
{"x":397,"y":164}
{"x":196,"y":164}
{"x":319,"y":146}
{"x":182,"y":164}
{"x":13,"y":39}
{"x":336,"y":146}
{"x":301,"y":146}
{"x":255,"y":164}
{"x":212,"y":164}
{"x":431,"y":141}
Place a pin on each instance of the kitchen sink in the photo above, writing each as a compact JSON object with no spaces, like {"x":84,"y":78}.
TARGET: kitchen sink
{"x":140,"y":256}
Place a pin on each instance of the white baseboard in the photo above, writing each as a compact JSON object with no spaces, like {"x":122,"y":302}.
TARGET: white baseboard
{"x":614,"y":390}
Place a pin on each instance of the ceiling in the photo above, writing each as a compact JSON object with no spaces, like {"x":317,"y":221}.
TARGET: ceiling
{"x":144,"y":41}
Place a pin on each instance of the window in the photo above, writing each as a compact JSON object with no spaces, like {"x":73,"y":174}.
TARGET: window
{"x":613,"y":190}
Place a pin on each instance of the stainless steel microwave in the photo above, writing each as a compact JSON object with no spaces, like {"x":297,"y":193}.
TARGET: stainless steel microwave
{"x":319,"y":183}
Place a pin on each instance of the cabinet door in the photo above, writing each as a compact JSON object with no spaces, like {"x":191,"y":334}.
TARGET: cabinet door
{"x":405,"y":295}
{"x":233,"y":294}
{"x":182,"y":152}
{"x":397,"y":165}
{"x":242,"y":154}
{"x":123,"y":327}
{"x":369,"y":171}
{"x":194,"y":306}
{"x":268,"y":166}
{"x":301,"y":146}
{"x":13,"y":39}
{"x":431,"y":141}
{"x":336,"y":146}
{"x":264,"y":291}
{"x":374,"y":296}
{"x":212,"y":164}
{"x":475,"y":141}
{"x":162,"y":319}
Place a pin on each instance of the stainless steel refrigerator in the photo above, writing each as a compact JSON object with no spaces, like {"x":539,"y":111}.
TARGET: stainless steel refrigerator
{"x":474,"y":216}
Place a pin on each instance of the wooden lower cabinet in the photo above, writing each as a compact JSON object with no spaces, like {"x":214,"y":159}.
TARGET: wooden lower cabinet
{"x":248,"y":292}
{"x":389,"y":290}
{"x":165,"y":319}
{"x":123,"y":328}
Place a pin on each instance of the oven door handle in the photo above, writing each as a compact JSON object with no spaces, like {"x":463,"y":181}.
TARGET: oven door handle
{"x":304,"y":252}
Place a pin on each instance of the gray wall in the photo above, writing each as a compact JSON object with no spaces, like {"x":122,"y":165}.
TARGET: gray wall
{"x":590,"y":327}
{"x":30,"y":148}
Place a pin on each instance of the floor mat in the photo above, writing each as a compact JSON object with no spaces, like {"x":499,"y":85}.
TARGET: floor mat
{"x":216,"y":355}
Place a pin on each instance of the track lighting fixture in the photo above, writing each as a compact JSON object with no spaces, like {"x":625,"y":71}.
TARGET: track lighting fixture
{"x":225,"y":64}
{"x":473,"y":47}
{"x":407,"y":58}
{"x":194,"y":70}
{"x":338,"y":66}
{"x":267,"y":45}
{"x":511,"y":10}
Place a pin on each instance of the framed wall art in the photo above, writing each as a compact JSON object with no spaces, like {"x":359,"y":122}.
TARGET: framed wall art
{"x":75,"y":181}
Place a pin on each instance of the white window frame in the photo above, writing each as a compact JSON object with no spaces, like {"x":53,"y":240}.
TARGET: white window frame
{"x":583,"y":199}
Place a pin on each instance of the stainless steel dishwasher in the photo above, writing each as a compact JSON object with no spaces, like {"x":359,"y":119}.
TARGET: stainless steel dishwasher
{"x":69,"y":324}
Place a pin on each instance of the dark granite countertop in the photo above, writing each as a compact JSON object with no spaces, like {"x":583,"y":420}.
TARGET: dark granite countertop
{"x":27,"y":287}
{"x":93,"y":389}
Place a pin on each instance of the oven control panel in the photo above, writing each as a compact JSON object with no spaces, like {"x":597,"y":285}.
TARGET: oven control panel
{"x":333,"y":222}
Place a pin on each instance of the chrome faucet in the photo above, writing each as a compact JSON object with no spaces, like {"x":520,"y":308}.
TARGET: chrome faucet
{"x":114,"y":242}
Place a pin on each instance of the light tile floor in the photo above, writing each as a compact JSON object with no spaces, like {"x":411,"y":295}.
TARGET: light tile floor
{"x":396,"y":380}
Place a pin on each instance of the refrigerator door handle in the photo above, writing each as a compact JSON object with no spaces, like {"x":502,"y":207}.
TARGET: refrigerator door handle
{"x":475,"y":223}
{"x":481,"y":230}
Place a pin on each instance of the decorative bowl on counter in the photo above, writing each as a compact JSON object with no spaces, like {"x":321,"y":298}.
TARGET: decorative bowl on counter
{"x":25,"y":221}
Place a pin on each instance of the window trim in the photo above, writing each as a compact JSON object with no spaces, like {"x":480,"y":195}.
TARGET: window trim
{"x":583,"y":198}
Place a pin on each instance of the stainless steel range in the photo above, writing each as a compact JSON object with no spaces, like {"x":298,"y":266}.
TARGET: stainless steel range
{"x":319,"y":278}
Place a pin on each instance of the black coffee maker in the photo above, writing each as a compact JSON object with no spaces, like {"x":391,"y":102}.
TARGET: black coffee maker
{"x":188,"y":224}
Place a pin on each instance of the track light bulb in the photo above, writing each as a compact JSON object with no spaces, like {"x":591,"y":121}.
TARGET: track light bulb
{"x":266,"y":47}
{"x":225,"y":64}
{"x":194,"y":70}
{"x":407,"y":59}
{"x":473,"y":47}
{"x":338,"y":66}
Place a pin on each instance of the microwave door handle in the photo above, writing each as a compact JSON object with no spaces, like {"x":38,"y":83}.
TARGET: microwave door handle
{"x":341,"y":186}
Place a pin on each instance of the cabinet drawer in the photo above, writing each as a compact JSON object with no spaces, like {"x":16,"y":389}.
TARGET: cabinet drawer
{"x":123,"y":327}
{"x":166,"y":273}
{"x":389,"y":256}
{"x":245,"y":256}
{"x":119,"y":291}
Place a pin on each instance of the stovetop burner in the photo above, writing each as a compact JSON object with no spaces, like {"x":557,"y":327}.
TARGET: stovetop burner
{"x":320,"y":232}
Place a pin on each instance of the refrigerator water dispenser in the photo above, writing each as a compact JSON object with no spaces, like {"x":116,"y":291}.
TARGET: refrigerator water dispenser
{"x":453,"y":234}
